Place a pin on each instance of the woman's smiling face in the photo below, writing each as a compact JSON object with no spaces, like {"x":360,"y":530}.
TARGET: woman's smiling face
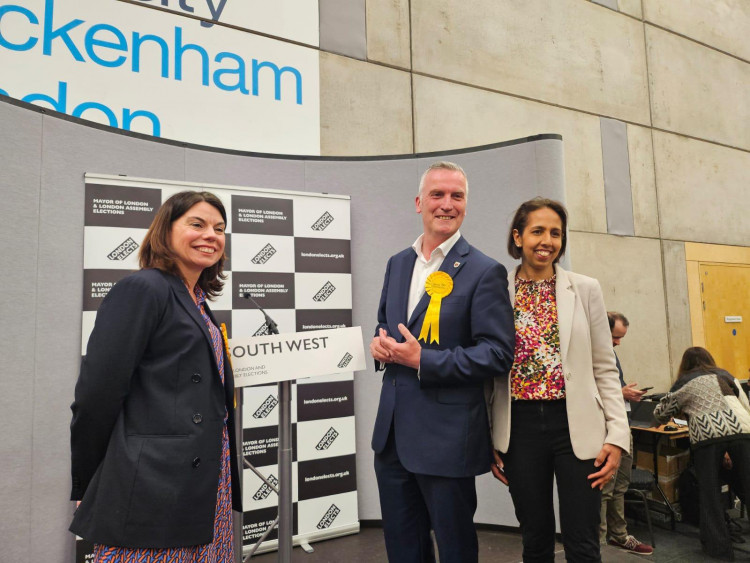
{"x":197,"y":238}
{"x":540,"y":242}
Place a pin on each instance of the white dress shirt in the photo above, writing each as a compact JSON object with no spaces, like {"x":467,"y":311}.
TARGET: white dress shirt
{"x":423,"y":268}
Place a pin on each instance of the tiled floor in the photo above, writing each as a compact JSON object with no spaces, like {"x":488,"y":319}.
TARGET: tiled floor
{"x":680,"y":546}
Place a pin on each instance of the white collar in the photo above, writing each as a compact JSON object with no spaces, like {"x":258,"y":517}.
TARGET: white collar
{"x":444,"y":248}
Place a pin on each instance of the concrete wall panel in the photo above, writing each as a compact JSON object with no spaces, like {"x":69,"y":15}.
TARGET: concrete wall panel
{"x":365,"y":109}
{"x":630,"y":272}
{"x":389,"y":33}
{"x":720,"y":23}
{"x":643,"y":186}
{"x":678,"y":305}
{"x":702,"y":190}
{"x":631,"y":8}
{"x":698,"y":91}
{"x":567,"y":52}
{"x":449,"y":116}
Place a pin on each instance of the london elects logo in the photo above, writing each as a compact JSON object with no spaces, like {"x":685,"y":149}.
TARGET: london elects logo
{"x":125,"y":249}
{"x":325,"y":220}
{"x":324,"y":292}
{"x":265,"y":254}
{"x":265,"y":409}
{"x":265,"y":489}
{"x":329,"y":517}
{"x":262,"y":330}
{"x":327,"y":440}
{"x":345,"y":360}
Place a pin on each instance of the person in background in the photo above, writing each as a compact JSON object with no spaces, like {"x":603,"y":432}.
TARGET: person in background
{"x":613,"y":493}
{"x":718,"y":415}
{"x":154,"y":462}
{"x":618,"y":327}
{"x":445,"y":329}
{"x":559,"y":415}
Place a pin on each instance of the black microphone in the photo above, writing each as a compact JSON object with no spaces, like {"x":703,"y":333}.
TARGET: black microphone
{"x":272,"y":327}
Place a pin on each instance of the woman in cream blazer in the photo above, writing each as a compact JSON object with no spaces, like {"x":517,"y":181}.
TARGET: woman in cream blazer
{"x":594,"y":398}
{"x":559,"y":413}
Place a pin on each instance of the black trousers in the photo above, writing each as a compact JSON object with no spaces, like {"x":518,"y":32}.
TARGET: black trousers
{"x":714,"y":534}
{"x":540,"y":449}
{"x":412,"y":504}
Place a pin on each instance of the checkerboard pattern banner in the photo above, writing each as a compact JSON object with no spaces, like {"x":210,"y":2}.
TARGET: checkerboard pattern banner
{"x":292,"y":253}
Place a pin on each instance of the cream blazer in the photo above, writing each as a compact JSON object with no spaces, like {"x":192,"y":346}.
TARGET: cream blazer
{"x":596,"y":411}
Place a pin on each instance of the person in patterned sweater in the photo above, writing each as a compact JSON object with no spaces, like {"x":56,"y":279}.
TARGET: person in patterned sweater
{"x":718,"y":416}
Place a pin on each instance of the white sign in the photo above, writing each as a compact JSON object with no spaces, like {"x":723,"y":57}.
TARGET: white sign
{"x":733,"y":319}
{"x":282,"y":357}
{"x":159,"y":73}
{"x":291,"y":19}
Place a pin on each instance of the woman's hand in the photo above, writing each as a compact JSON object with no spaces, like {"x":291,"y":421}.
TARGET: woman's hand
{"x":610,"y":457}
{"x":497,"y":468}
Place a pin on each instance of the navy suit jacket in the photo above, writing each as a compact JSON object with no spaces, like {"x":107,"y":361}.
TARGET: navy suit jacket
{"x":440,"y":419}
{"x":148,"y":418}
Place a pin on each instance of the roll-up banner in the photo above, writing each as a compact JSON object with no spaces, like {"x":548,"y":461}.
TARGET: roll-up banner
{"x":291,"y":252}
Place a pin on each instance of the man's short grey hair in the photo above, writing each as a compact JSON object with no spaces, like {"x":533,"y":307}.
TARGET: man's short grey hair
{"x":443,"y":165}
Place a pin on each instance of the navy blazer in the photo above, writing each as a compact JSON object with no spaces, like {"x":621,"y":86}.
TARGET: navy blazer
{"x":148,"y":420}
{"x":440,"y":418}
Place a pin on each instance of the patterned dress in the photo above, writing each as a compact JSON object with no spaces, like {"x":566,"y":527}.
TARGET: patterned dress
{"x":221,"y":549}
{"x":537,"y":372}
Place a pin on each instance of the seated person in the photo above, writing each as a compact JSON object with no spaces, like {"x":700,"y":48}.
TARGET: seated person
{"x":718,"y":416}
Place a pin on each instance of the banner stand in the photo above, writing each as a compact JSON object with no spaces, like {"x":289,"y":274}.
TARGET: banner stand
{"x":285,"y":471}
{"x":285,"y":517}
{"x":292,"y":252}
{"x":284,"y":492}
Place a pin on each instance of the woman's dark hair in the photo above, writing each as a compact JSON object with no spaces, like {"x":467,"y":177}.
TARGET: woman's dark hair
{"x":696,"y":358}
{"x":521,"y":218}
{"x":156,"y":253}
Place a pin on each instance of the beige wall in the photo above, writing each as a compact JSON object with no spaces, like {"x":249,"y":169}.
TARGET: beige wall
{"x":637,"y":292}
{"x":443,"y":75}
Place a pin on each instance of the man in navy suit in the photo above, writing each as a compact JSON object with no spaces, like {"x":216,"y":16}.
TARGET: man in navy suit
{"x":445,"y":328}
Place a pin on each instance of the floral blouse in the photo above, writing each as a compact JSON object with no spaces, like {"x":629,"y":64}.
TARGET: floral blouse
{"x":537,"y":366}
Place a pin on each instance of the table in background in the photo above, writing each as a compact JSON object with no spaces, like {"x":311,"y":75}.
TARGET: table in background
{"x":656,"y":434}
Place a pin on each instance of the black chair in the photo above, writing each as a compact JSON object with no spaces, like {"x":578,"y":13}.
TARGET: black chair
{"x":641,"y":483}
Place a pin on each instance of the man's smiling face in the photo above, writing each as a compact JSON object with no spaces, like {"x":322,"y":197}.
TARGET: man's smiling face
{"x":442,"y":203}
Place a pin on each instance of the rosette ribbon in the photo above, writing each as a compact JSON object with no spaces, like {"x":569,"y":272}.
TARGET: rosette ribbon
{"x":438,"y":285}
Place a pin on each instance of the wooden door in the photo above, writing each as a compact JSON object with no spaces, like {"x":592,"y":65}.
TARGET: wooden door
{"x":725,"y":291}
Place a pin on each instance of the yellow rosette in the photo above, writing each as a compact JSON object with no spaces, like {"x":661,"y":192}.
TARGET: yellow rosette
{"x":437,"y":286}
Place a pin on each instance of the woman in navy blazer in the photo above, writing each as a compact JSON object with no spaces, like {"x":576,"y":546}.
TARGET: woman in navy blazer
{"x":152,"y":438}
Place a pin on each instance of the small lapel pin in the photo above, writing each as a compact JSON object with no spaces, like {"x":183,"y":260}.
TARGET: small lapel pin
{"x":456,"y":264}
